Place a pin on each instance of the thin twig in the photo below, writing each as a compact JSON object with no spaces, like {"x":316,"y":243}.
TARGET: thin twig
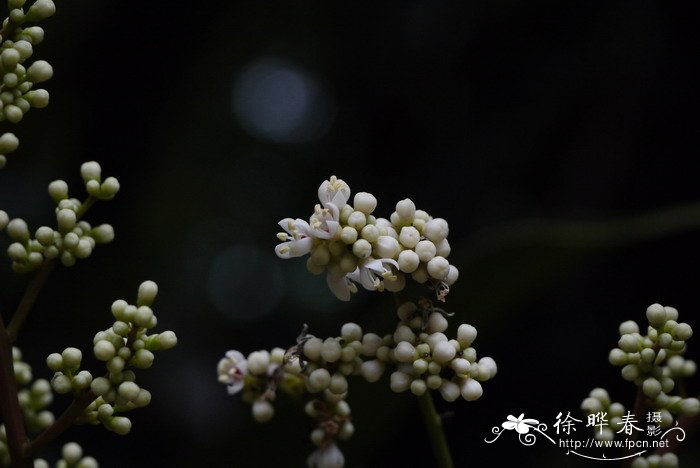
{"x":29,"y":298}
{"x":64,"y":422}
{"x":433,"y":423}
{"x":9,"y":404}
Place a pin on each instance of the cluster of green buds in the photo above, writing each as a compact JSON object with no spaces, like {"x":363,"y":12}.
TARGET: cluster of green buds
{"x":654,"y":362}
{"x":34,"y":397}
{"x":17,"y":93}
{"x":125,"y":346}
{"x":422,"y":356}
{"x":72,"y":238}
{"x":71,"y":457}
{"x":351,"y":245}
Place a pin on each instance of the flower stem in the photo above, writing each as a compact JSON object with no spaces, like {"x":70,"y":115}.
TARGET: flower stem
{"x":30,"y":296}
{"x":64,"y":422}
{"x":433,"y":422}
{"x":9,"y":404}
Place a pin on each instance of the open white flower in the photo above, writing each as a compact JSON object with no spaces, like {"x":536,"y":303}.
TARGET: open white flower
{"x":334,"y":191}
{"x":372,"y":273}
{"x":341,"y":286}
{"x":232,"y":370}
{"x":298,"y":242}
{"x":329,"y":456}
{"x":325,"y":221}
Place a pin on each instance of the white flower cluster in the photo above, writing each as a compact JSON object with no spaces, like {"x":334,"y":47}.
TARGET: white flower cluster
{"x":425,"y":358}
{"x":33,"y":398}
{"x":125,"y":345}
{"x":72,"y":238}
{"x":17,"y":95}
{"x":353,"y":246}
{"x":655,"y":363}
{"x":72,"y":457}
{"x":422,"y":356}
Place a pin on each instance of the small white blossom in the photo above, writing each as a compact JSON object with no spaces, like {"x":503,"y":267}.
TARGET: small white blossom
{"x":232,"y":370}
{"x":329,"y":456}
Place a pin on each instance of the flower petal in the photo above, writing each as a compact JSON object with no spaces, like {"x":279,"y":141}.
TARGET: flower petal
{"x":339,"y":286}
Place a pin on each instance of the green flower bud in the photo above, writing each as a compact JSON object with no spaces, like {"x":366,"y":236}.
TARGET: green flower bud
{"x":71,"y":358}
{"x":40,"y":10}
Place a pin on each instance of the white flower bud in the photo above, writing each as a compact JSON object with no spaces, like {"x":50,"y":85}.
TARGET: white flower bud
{"x":39,"y":71}
{"x":66,"y":220}
{"x":82,"y":380}
{"x":488,"y":364}
{"x":443,"y":352}
{"x":405,"y":352}
{"x":387,"y":247}
{"x":452,"y":275}
{"x":399,"y":382}
{"x":349,"y":235}
{"x":319,"y":380}
{"x":656,"y":315}
{"x":409,"y":237}
{"x":109,"y":188}
{"x":40,"y":10}
{"x":436,"y":230}
{"x":689,"y":407}
{"x":370,"y":233}
{"x":142,"y":359}
{"x":330,"y":350}
{"x":351,"y":332}
{"x":8,"y":141}
{"x":312,"y":349}
{"x":370,"y":344}
{"x":683,"y":332}
{"x":318,"y":436}
{"x":365,"y":202}
{"x":460,"y":366}
{"x":10,"y":58}
{"x":72,"y":453}
{"x":436,"y":323}
{"x":425,"y":250}
{"x":466,"y":334}
{"x":71,"y":358}
{"x":120,"y":425}
{"x":418,"y":387}
{"x":128,"y":390}
{"x":258,"y":362}
{"x":438,"y":268}
{"x":13,"y":113}
{"x":339,"y":384}
{"x":372,"y":370}
{"x":104,"y":350}
{"x":404,"y":333}
{"x":147,"y":293}
{"x":17,"y":230}
{"x":471,"y":390}
{"x":17,"y":252}
{"x":4,"y":219}
{"x":55,"y":362}
{"x":408,"y":261}
{"x":167,"y":340}
{"x":362,"y":248}
{"x":450,"y":391}
{"x":357,"y":220}
{"x":406,"y":209}
{"x":61,"y":383}
{"x":443,"y":248}
{"x":38,"y":98}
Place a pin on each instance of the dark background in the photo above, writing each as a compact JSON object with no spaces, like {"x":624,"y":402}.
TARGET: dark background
{"x":540,"y":131}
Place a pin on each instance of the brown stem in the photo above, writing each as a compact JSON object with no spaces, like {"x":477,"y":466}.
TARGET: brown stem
{"x":9,"y":405}
{"x":64,"y":422}
{"x":29,"y":298}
